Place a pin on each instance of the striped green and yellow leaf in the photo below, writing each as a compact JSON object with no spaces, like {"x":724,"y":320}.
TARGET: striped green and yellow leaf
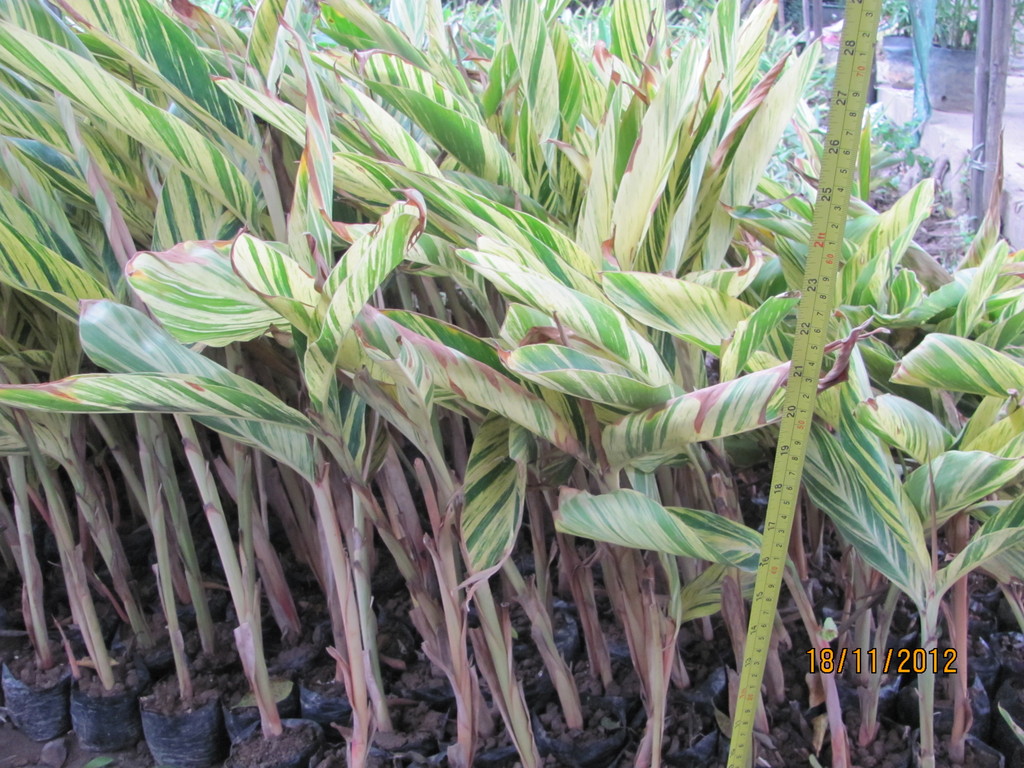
{"x":154,"y":43}
{"x":577,"y":373}
{"x":754,"y":333}
{"x":650,"y":161}
{"x":638,"y":32}
{"x":593,"y":319}
{"x":690,"y":311}
{"x":960,"y":365}
{"x":494,"y":491}
{"x":851,"y":476}
{"x":193,"y":291}
{"x":188,"y":212}
{"x":31,"y":267}
{"x":278,"y":280}
{"x":365,"y":266}
{"x":163,"y":392}
{"x":905,"y":426}
{"x":837,"y":485}
{"x":1001,"y":538}
{"x":955,"y":480}
{"x":649,"y":438}
{"x":474,"y":382}
{"x":103,"y":95}
{"x":631,"y":519}
{"x":123,"y":340}
{"x":313,"y":203}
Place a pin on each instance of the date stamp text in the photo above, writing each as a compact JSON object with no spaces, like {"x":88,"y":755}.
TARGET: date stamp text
{"x":900,"y":661}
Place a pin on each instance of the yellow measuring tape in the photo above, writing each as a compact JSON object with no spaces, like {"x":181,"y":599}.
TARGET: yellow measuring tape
{"x":846,"y":113}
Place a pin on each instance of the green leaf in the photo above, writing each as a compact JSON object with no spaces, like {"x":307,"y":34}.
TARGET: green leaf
{"x":1001,"y":437}
{"x":960,"y":365}
{"x":278,"y":280}
{"x":468,"y":379}
{"x":851,"y":476}
{"x":638,"y":32}
{"x":955,"y":480}
{"x":836,"y":484}
{"x":264,"y":38}
{"x":188,"y":212}
{"x":863,"y":278}
{"x":1017,"y":730}
{"x":494,"y":491}
{"x":42,"y":219}
{"x":1001,"y":534}
{"x":281,"y":115}
{"x":103,"y":95}
{"x":448,"y":119}
{"x":971,"y":309}
{"x":450,"y":335}
{"x":594,"y":225}
{"x":196,"y":295}
{"x":904,"y":425}
{"x":163,"y":393}
{"x":41,"y":20}
{"x":753,"y":332}
{"x":365,"y":266}
{"x":651,"y":159}
{"x":702,"y":596}
{"x":43,"y":274}
{"x":122,"y":339}
{"x":579,"y":374}
{"x":313,"y":204}
{"x":525,"y":27}
{"x":155,"y":42}
{"x":631,"y":519}
{"x":356,"y":25}
{"x":692,"y":312}
{"x":649,"y":438}
{"x":593,"y":319}
{"x":382,"y":133}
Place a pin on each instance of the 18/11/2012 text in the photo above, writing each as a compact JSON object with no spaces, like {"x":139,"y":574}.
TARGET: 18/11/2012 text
{"x":900,"y":661}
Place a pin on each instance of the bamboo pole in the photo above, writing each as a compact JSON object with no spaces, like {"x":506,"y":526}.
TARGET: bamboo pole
{"x":998,"y":67}
{"x":992,"y":65}
{"x":982,"y":56}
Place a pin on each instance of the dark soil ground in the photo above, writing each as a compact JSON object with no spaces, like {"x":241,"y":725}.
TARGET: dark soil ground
{"x":423,"y":707}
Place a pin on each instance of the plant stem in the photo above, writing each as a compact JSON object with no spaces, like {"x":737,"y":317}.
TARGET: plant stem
{"x":360,"y":546}
{"x":83,"y":609}
{"x":443,"y":626}
{"x":840,"y":742}
{"x":926,"y":681}
{"x":543,"y":634}
{"x":869,"y":698}
{"x":31,"y":574}
{"x":244,"y":594}
{"x":959,"y":534}
{"x":493,"y":644}
{"x":101,"y":527}
{"x":580,"y":576}
{"x":341,"y":571}
{"x":115,"y":445}
{"x":183,"y":535}
{"x":156,"y":517}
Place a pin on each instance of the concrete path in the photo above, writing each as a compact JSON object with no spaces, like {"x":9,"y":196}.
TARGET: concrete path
{"x":949,"y":135}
